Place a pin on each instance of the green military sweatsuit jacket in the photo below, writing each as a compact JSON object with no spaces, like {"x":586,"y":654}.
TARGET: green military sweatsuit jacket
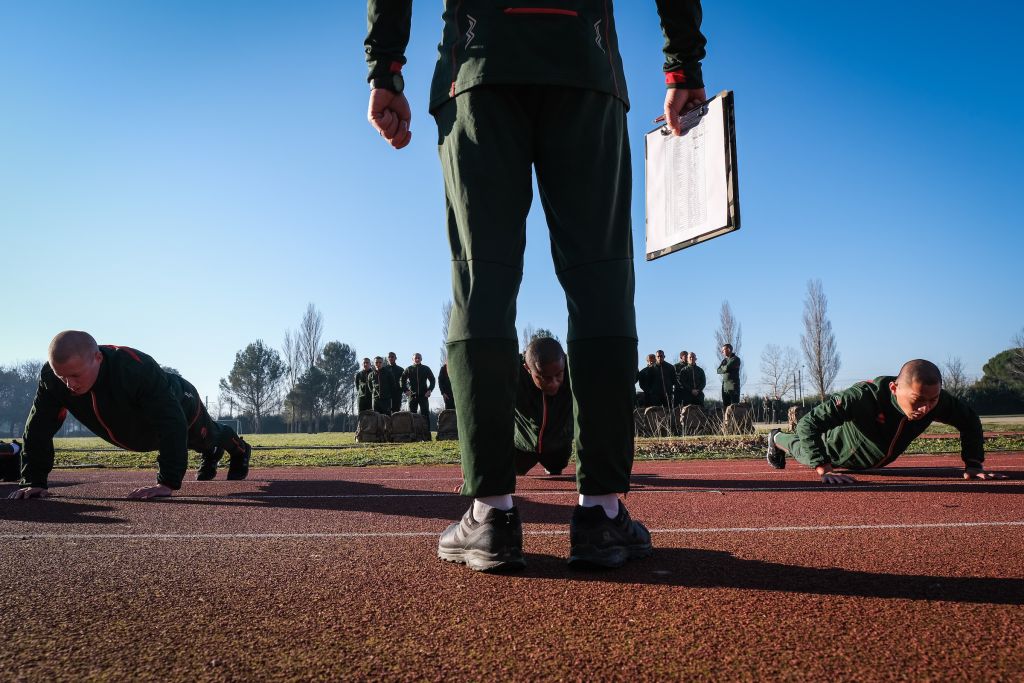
{"x":729,"y":368}
{"x":548,"y":42}
{"x":381,"y":386}
{"x":658,"y":381}
{"x":543,"y":423}
{"x":691,"y":377}
{"x":134,"y":404}
{"x":363,"y":384}
{"x":418,"y":379}
{"x":863,"y":427}
{"x":395,"y":373}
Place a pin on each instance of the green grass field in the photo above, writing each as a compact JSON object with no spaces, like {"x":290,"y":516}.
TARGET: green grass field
{"x":340,"y":448}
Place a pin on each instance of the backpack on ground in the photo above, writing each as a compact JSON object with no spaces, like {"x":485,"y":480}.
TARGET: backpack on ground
{"x":402,"y":429}
{"x":447,"y":426}
{"x":373,"y":427}
{"x":420,"y":427}
{"x":738,"y":419}
{"x":692,"y":420}
{"x":658,"y":421}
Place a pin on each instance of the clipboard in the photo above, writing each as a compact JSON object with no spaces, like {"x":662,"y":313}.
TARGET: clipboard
{"x":692,"y":185}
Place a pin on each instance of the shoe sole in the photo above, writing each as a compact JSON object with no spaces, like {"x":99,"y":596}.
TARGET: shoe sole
{"x":205,"y":477}
{"x":591,"y":557}
{"x":480,"y":561}
{"x":236,"y":476}
{"x":779,"y":462}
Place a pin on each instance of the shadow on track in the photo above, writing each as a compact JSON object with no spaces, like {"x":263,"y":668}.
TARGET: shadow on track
{"x":952,"y":483}
{"x":362,"y":496}
{"x":55,"y":511}
{"x":693,"y":568}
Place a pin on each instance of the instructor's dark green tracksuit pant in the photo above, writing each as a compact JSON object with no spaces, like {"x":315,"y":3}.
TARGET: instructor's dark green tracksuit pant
{"x":491,"y":140}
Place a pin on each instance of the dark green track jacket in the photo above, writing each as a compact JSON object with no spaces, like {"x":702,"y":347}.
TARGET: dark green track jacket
{"x":550,"y":42}
{"x":691,"y":377}
{"x":363,"y":384}
{"x":658,"y":381}
{"x":381,"y":386}
{"x":418,"y":379}
{"x":543,"y":423}
{"x":395,"y":373}
{"x":134,"y":404}
{"x":729,"y":368}
{"x":862,"y":427}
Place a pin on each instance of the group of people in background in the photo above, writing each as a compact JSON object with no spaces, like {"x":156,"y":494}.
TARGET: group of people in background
{"x":683,"y":384}
{"x":380,"y":386}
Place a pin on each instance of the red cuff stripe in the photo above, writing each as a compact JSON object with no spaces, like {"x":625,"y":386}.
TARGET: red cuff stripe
{"x":675,"y":77}
{"x":396,"y":67}
{"x":541,"y":10}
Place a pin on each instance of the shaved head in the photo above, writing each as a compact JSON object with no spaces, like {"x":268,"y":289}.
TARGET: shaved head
{"x":919,"y":371}
{"x":71,"y":344}
{"x":542,"y":351}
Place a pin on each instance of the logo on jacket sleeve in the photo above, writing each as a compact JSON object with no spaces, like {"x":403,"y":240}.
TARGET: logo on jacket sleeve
{"x":597,"y":35}
{"x":469,"y":32}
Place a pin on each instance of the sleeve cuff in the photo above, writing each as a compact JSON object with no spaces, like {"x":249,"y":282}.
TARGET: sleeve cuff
{"x":689,"y":78}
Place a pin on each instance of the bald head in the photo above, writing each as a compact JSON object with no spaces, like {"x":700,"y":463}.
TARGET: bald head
{"x":71,"y":344}
{"x":920,"y":371}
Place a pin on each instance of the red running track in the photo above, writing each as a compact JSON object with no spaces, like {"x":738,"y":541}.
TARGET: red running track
{"x":330,"y":574}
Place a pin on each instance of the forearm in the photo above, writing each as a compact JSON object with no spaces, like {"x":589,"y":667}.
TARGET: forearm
{"x":684,"y":43}
{"x":388,"y":23}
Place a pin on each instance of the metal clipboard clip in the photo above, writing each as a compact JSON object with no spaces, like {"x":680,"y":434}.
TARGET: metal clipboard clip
{"x":687,"y":120}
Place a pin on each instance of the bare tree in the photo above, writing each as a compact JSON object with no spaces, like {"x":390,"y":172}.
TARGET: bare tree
{"x":528,"y":334}
{"x":729,"y":330}
{"x":308,"y":338}
{"x":954,"y":377}
{"x":778,"y":370}
{"x":818,"y":341}
{"x":1017,"y":359}
{"x":446,"y":318}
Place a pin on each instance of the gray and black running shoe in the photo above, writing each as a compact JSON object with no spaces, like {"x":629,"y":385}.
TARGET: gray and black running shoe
{"x":775,"y":456}
{"x":599,"y":542}
{"x":492,"y":545}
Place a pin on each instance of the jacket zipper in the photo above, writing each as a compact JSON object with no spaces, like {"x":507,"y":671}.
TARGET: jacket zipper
{"x":543,"y":422}
{"x":541,"y":10}
{"x":96,"y":411}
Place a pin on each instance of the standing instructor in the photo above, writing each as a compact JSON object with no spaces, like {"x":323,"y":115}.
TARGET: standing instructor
{"x":518,"y":90}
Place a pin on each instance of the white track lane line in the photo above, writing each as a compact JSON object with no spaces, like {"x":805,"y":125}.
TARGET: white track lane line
{"x":571,"y":492}
{"x":563,"y":532}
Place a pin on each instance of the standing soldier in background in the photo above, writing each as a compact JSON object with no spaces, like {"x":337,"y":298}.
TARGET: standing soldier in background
{"x":395,"y":373}
{"x":658,"y":380}
{"x":692,"y":381}
{"x":381,"y":386}
{"x":679,"y":367}
{"x":518,"y":91}
{"x":417,"y":383}
{"x":363,"y":391}
{"x":729,"y":369}
{"x":444,"y":384}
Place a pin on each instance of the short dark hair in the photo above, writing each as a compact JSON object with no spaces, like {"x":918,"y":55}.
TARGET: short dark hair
{"x":378,"y":358}
{"x":727,"y":346}
{"x":71,"y":344}
{"x":920,"y":371}
{"x":543,"y":350}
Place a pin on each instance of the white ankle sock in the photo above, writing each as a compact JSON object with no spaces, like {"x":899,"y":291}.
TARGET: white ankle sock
{"x":482,"y":505}
{"x":609,"y":501}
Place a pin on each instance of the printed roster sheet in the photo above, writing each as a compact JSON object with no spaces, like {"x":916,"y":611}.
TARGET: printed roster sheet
{"x":692,"y":188}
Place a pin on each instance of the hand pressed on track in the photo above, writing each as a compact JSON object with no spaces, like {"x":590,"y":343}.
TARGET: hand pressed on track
{"x":30,"y":492}
{"x":833,"y":478}
{"x":147,"y":492}
{"x":978,"y":473}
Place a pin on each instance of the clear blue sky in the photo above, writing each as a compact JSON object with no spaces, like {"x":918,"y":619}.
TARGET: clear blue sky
{"x":184,"y":177}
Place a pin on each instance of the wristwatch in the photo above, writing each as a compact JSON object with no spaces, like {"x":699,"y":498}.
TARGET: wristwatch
{"x":393,"y":82}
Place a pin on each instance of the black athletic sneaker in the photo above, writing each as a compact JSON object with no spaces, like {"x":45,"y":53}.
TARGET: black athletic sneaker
{"x":238,"y":466}
{"x":599,"y":542}
{"x":208,"y":470}
{"x":493,"y":545}
{"x":552,"y":473}
{"x":775,"y":456}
